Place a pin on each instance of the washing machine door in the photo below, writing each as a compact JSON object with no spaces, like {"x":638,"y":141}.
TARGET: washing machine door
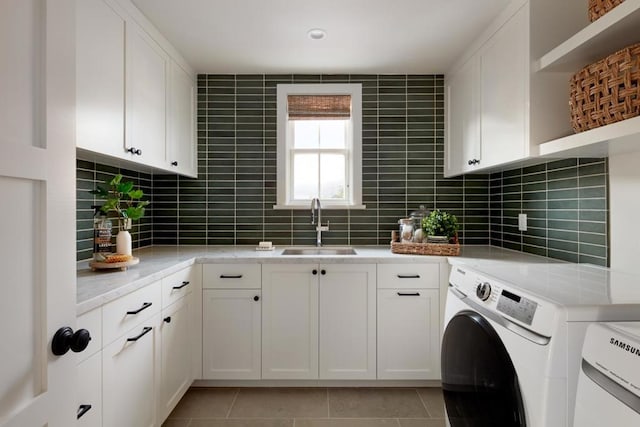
{"x":479,"y":380}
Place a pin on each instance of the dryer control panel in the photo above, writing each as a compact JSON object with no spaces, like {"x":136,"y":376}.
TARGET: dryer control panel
{"x":517,"y":306}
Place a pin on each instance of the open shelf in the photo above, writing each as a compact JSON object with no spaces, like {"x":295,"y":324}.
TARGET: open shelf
{"x":616,"y":138}
{"x":612,"y":32}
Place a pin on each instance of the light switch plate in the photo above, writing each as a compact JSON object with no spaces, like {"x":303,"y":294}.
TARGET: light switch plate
{"x":522,"y":222}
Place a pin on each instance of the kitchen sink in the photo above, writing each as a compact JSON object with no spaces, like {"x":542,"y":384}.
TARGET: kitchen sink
{"x":319,"y":251}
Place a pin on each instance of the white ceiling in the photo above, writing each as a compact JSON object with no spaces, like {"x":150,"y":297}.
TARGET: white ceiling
{"x":363,"y":36}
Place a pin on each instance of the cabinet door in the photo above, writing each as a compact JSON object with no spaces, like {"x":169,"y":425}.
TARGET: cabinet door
{"x":146,"y":93}
{"x":181,"y":141}
{"x":100,"y":33}
{"x":504,"y":81}
{"x":289,"y":321}
{"x":463,"y":119}
{"x":130,"y":372}
{"x":90,"y":391}
{"x":408,"y":334}
{"x":231,"y":334}
{"x":175,"y":361}
{"x":348,"y":321}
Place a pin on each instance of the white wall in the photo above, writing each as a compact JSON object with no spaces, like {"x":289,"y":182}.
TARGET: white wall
{"x":624,"y":208}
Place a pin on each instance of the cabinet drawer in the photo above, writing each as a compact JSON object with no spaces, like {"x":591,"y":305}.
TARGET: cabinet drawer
{"x":177,"y":285}
{"x":89,"y":380}
{"x":92,"y":322}
{"x":124,"y":313}
{"x":231,"y":276}
{"x":412,"y":276}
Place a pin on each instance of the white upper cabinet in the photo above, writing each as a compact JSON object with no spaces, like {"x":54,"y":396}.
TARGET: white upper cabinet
{"x":147,"y":75}
{"x":100,"y":33}
{"x":135,"y":94}
{"x":181,"y":142}
{"x":504,"y":77}
{"x":463,"y":127}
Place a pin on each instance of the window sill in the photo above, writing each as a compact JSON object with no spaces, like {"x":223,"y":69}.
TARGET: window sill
{"x":324,"y":207}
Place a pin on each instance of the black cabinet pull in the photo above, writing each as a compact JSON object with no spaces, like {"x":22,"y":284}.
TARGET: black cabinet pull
{"x":145,"y":305}
{"x":231,"y":276}
{"x":314,"y":272}
{"x":256,"y":298}
{"x":408,"y":276}
{"x":323,"y":272}
{"x":167,"y":319}
{"x":144,"y":332}
{"x":181,"y":286}
{"x":174,"y":163}
{"x":83,"y":409}
{"x":408,"y":294}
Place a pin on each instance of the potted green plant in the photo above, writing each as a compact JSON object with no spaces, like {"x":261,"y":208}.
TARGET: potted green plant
{"x":440,"y":227}
{"x":123,"y":199}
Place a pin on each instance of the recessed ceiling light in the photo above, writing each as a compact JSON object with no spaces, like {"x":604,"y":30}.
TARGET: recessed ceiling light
{"x":317,"y":34}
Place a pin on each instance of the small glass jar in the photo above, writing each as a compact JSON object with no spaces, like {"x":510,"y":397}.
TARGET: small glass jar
{"x":406,"y":230}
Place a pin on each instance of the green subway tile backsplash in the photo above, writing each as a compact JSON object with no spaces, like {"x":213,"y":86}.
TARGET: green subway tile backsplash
{"x":231,"y":202}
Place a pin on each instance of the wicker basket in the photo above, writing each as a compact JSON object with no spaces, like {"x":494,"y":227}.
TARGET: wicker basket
{"x":607,"y":91}
{"x":597,"y":8}
{"x":440,"y":249}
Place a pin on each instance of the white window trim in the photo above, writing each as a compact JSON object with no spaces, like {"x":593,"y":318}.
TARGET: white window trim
{"x":283,"y":181}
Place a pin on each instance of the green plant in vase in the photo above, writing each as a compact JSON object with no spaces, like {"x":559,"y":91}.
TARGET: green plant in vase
{"x":440,"y":226}
{"x":125,"y":200}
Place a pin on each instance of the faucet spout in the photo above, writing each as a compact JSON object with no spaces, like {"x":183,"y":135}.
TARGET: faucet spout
{"x":316,"y":212}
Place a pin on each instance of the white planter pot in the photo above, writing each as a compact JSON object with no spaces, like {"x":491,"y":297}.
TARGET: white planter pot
{"x":123,"y":242}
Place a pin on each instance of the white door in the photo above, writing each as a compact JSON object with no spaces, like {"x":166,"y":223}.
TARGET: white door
{"x":408,"y":334}
{"x":290,"y":321}
{"x":181,"y":141}
{"x":37,"y":186}
{"x":231,"y":334}
{"x":348,"y":321}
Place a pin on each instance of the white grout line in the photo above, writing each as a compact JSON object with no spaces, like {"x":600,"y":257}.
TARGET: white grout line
{"x":423,"y":403}
{"x":233,"y":402}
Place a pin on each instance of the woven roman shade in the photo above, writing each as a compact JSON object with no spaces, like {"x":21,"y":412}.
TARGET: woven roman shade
{"x":318,"y":107}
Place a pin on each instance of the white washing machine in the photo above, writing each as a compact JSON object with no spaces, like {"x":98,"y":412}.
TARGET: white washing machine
{"x":609,"y":383}
{"x":513,"y":338}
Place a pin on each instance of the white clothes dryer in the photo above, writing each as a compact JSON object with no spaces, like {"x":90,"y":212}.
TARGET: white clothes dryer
{"x":513,"y":337}
{"x":609,"y":383}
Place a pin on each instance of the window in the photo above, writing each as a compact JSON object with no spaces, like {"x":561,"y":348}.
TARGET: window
{"x":319,"y":145}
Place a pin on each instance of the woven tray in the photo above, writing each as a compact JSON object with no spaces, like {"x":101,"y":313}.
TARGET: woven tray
{"x":597,"y":8}
{"x":607,"y":91}
{"x":439,"y":249}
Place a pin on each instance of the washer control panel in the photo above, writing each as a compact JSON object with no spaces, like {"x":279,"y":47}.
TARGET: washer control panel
{"x":516,"y":306}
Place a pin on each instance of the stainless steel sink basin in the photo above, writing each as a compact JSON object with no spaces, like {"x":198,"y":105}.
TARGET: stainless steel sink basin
{"x":319,"y":251}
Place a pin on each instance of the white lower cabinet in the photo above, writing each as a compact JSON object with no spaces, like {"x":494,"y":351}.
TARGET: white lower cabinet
{"x":408,"y":334}
{"x":176,"y":370}
{"x":90,"y":391}
{"x":347,"y":321}
{"x":289,"y":321}
{"x":231,"y":334}
{"x":130,"y":370}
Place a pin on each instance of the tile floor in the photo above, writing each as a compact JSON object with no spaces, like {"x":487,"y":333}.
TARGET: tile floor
{"x":309,"y":407}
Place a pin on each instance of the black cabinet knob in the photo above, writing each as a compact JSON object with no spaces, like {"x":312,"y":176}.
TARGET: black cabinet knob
{"x":323,"y":272}
{"x":174,"y":163}
{"x":167,"y":319}
{"x":135,"y":151}
{"x":256,"y":298}
{"x":314,"y":272}
{"x":65,"y":339}
{"x":473,"y":162}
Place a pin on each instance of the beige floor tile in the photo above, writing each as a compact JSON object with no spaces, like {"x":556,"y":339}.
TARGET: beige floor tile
{"x":433,"y":400}
{"x":347,"y":422}
{"x":375,"y":403}
{"x":242,"y":423}
{"x":205,"y":403}
{"x":177,"y":423}
{"x":280,"y":403}
{"x":429,"y":422}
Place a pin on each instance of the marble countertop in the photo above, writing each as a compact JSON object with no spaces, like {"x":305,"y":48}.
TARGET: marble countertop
{"x":97,"y":288}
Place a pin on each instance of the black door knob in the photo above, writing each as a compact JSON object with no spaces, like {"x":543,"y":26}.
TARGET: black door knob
{"x":65,"y":339}
{"x":323,"y":272}
{"x":256,"y":298}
